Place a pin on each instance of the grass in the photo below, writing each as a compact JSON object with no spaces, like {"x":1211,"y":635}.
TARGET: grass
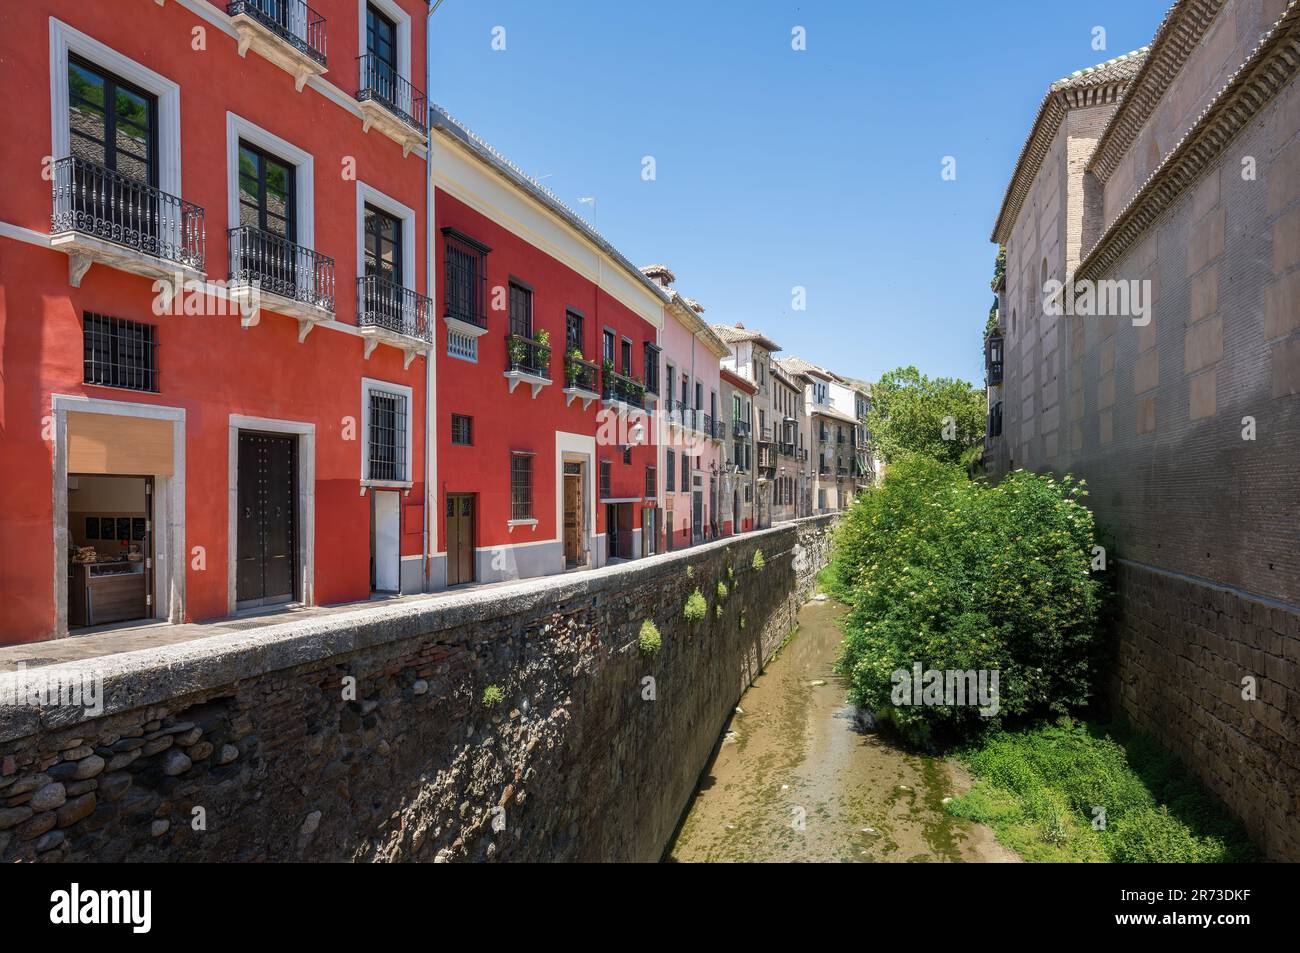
{"x":1040,"y":790}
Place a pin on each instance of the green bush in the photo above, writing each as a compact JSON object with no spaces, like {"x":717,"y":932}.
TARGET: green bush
{"x":492,"y":696}
{"x":1039,"y":790}
{"x":649,"y":641}
{"x":758,"y":562}
{"x":722,"y":590}
{"x":956,"y":574}
{"x":696,"y":607}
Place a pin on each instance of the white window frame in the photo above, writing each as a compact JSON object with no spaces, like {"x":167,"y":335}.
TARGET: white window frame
{"x":238,"y":128}
{"x":403,"y":20}
{"x":65,"y":40}
{"x":368,"y":195}
{"x":369,"y":385}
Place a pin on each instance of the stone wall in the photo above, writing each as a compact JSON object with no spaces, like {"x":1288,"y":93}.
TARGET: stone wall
{"x":1184,"y":647}
{"x":251,"y":746}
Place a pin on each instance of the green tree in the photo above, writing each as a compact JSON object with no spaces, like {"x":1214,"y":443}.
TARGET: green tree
{"x":940,"y":418}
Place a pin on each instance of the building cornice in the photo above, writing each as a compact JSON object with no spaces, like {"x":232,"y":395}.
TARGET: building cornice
{"x":1177,"y":36}
{"x":1099,"y":86}
{"x":691,"y":320}
{"x":1273,"y":63}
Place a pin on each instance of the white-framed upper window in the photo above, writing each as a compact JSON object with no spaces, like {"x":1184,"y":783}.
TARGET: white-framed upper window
{"x":401,"y":20}
{"x":386,"y":433}
{"x":65,"y":41}
{"x":366,"y":195}
{"x":240,"y":130}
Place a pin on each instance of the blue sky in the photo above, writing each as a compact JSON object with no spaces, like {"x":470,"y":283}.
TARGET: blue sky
{"x":777,"y":168}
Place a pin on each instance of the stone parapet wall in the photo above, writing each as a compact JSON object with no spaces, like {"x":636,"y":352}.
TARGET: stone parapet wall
{"x":364,"y":736}
{"x":1184,"y":647}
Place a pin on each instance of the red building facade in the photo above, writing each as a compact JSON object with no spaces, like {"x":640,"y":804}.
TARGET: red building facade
{"x":548,"y":357}
{"x":214,"y":309}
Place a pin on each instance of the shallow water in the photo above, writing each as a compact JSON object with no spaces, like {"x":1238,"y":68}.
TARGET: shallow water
{"x":797,"y":778}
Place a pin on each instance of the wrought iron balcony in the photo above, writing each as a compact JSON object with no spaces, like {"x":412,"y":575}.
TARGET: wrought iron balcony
{"x":995,"y":372}
{"x":95,"y":201}
{"x":291,"y":20}
{"x":380,"y":83}
{"x":620,"y":388}
{"x":280,"y":267}
{"x":708,"y":425}
{"x":581,"y":375}
{"x":740,"y":428}
{"x":393,"y":312}
{"x":528,"y":356}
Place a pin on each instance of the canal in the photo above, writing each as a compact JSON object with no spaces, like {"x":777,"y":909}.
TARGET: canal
{"x":797,"y":778}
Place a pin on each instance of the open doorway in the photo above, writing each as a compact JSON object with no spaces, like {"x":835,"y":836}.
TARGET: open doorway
{"x":111,"y":552}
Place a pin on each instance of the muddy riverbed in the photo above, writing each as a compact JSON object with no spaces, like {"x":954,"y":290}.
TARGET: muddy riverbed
{"x":797,"y":778}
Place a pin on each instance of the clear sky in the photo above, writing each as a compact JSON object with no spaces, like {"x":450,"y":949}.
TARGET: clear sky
{"x":776,"y":168}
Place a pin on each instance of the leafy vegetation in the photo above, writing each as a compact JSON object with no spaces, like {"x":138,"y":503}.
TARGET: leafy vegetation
{"x":940,"y":418}
{"x":492,"y":696}
{"x":649,"y":641}
{"x":758,"y":562}
{"x":958,"y":575}
{"x":695,"y":608}
{"x":722,"y":590}
{"x":1044,"y":792}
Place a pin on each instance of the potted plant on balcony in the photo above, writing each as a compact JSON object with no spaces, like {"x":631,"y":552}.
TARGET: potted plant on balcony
{"x":571,"y":366}
{"x":517,"y":350}
{"x":543,"y":349}
{"x":607,"y":378}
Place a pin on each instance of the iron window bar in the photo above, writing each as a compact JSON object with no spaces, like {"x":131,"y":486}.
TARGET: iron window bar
{"x":383,"y":303}
{"x":291,"y":20}
{"x":120,"y":353}
{"x":521,"y":485}
{"x":652,"y":369}
{"x":387,"y":437}
{"x":380,"y":82}
{"x":97,"y":201}
{"x":465,"y":287}
{"x":279,"y":266}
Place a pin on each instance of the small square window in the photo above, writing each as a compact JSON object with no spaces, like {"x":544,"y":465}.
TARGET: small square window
{"x":462,"y":430}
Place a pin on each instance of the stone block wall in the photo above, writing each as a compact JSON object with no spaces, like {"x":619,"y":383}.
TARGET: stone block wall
{"x":365,"y":736}
{"x":1184,"y":647}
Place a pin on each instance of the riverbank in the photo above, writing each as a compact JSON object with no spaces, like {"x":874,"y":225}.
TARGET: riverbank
{"x":797,"y":778}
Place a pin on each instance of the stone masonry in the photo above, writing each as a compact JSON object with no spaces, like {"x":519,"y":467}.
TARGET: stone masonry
{"x":366,"y":737}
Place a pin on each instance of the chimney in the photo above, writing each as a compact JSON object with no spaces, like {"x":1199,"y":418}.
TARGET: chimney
{"x":659,"y":274}
{"x":695,"y":305}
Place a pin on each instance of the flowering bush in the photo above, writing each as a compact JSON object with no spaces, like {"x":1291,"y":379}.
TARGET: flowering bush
{"x":959,"y":575}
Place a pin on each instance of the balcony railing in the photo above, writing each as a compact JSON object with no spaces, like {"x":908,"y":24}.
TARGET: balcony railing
{"x":719,"y":429}
{"x":528,"y":356}
{"x":97,"y":201}
{"x":380,"y":82}
{"x":740,"y":428}
{"x":581,"y":375}
{"x":291,"y":20}
{"x":995,"y":372}
{"x":764,"y":435}
{"x":708,"y":425}
{"x":786,"y":449}
{"x":619,"y":387}
{"x":384,"y":304}
{"x":278,"y":266}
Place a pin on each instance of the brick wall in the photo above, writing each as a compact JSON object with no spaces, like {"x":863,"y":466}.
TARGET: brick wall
{"x":584,"y":759}
{"x":1184,"y":647}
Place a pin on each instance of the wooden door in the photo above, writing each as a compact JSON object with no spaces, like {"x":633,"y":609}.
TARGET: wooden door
{"x":460,"y":538}
{"x":572,"y":520}
{"x":266,"y":530}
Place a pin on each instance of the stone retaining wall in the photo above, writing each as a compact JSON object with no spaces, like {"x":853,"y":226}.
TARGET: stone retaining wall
{"x":1184,"y":647}
{"x":365,"y":736}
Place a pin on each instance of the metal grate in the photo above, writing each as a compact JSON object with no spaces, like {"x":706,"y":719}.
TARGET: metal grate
{"x":466,"y":278}
{"x":651,"y":483}
{"x":387,"y":436}
{"x":521,"y":486}
{"x":120,"y":353}
{"x":606,"y":473}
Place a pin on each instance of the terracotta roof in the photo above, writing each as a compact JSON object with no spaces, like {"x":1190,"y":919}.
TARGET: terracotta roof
{"x":797,"y":365}
{"x":735,"y":334}
{"x":659,"y":271}
{"x":1094,"y":86}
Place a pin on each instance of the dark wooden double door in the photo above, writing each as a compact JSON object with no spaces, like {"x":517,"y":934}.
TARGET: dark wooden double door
{"x":460,"y":538}
{"x":266,"y":523}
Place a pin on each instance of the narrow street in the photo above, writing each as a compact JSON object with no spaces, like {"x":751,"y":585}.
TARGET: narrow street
{"x":798,"y":779}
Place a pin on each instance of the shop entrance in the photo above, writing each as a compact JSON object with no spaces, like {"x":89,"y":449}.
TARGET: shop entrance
{"x":111,"y":558}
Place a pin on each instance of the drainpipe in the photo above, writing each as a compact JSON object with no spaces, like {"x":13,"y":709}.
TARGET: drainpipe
{"x":430,"y":370}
